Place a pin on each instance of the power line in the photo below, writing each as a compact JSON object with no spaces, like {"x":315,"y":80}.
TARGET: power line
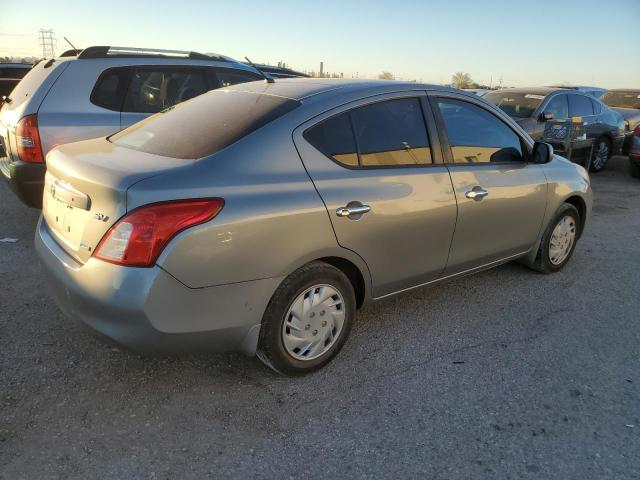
{"x":48,"y":43}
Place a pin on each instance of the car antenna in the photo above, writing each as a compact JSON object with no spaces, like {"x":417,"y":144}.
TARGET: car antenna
{"x":72,"y":45}
{"x":267,"y":78}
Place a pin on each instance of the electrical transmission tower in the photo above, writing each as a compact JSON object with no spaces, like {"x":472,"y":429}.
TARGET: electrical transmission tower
{"x":48,"y":43}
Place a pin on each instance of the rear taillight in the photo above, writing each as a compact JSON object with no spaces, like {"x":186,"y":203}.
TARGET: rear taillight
{"x":28,"y":140}
{"x":138,"y":238}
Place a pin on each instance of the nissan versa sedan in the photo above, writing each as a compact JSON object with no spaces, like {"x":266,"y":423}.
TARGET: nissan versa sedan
{"x":532,"y":107}
{"x":259,"y":217}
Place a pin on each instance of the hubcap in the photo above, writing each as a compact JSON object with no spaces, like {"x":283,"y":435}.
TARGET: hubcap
{"x":313,"y":323}
{"x":601,"y":155}
{"x":562,"y":240}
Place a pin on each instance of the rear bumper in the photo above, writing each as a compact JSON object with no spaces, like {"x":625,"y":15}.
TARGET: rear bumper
{"x":148,"y":310}
{"x":26,"y":180}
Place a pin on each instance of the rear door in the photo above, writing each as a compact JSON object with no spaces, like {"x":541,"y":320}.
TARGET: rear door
{"x":501,"y":197}
{"x":389,"y":198}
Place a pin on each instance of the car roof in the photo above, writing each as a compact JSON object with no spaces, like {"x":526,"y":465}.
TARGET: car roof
{"x":302,"y":88}
{"x":532,"y":90}
{"x":149,"y":56}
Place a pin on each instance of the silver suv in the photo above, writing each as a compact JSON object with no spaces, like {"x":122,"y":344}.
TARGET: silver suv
{"x":94,"y":93}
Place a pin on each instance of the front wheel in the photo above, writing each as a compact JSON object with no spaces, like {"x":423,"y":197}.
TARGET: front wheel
{"x":307,"y":320}
{"x":558,"y":241}
{"x":601,"y":154}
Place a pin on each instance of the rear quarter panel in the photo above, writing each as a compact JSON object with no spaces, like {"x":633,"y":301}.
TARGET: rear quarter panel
{"x":67,"y":114}
{"x":272,"y":223}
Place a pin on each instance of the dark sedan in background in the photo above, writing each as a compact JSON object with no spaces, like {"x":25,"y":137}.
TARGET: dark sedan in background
{"x":532,"y":107}
{"x":10,"y":75}
{"x":627,"y":103}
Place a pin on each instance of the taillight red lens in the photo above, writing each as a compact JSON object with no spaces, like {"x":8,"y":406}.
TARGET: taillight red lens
{"x":28,"y":140}
{"x":138,"y":238}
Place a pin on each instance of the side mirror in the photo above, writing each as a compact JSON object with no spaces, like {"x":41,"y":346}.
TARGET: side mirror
{"x":542,"y":152}
{"x":544,"y":116}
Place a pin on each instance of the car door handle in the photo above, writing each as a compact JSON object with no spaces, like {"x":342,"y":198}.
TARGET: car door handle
{"x":476,"y":193}
{"x":352,"y":211}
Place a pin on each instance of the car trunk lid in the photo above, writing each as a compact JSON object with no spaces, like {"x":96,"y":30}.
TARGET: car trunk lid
{"x":86,"y":187}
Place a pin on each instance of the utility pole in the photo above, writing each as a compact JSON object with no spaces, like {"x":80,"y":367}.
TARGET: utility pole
{"x":48,"y":42}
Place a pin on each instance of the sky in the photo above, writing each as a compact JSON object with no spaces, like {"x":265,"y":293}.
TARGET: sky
{"x":528,"y":43}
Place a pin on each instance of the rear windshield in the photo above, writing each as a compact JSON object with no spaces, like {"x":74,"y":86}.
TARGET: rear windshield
{"x":622,"y":99}
{"x":202,"y":126}
{"x":517,"y":105}
{"x":30,"y":83}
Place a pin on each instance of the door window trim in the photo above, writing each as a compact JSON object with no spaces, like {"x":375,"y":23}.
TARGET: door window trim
{"x":427,"y":116}
{"x":447,"y":156}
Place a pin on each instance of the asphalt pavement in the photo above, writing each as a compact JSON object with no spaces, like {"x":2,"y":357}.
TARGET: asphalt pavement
{"x":507,"y":374}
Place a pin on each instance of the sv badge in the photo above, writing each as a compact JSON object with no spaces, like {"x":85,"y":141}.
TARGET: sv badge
{"x":100,"y":216}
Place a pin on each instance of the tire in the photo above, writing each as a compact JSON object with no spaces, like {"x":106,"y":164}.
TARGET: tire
{"x":544,"y":262}
{"x":280,"y":330}
{"x":634,"y":168}
{"x":601,"y":154}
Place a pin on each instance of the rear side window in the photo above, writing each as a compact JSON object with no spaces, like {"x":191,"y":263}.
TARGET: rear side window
{"x":227,"y":77}
{"x":580,"y":106}
{"x":383,"y":134}
{"x":334,"y":138}
{"x":203,"y":127}
{"x":110,"y":88}
{"x":153,"y":90}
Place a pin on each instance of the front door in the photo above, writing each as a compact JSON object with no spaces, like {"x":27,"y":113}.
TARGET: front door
{"x":501,"y":197}
{"x":373,"y":165}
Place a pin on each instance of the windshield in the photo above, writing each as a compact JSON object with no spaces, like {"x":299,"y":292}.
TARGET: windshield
{"x":622,"y":99}
{"x":204,"y":125}
{"x":517,"y":105}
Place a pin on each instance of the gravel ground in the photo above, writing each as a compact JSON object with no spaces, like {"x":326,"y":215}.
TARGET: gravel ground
{"x":507,"y":374}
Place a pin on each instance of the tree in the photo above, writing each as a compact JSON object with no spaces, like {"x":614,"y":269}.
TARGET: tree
{"x":386,"y":76}
{"x":461,"y":80}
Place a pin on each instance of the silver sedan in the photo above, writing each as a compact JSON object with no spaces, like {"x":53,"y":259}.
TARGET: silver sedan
{"x":259,"y":217}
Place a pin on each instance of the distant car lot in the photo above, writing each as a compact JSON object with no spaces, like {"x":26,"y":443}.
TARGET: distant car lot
{"x":499,"y":375}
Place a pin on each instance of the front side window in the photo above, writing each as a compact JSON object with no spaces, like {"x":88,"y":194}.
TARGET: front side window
{"x":383,"y":134}
{"x":580,"y":106}
{"x":559,"y":107}
{"x":153,"y":90}
{"x":476,"y":135}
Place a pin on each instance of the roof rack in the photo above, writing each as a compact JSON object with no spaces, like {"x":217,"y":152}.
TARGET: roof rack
{"x":108,"y":52}
{"x":71,"y":53}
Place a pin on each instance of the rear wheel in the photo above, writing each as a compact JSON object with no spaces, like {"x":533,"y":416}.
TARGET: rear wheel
{"x":559,"y":240}
{"x":601,"y":154}
{"x":307,"y":320}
